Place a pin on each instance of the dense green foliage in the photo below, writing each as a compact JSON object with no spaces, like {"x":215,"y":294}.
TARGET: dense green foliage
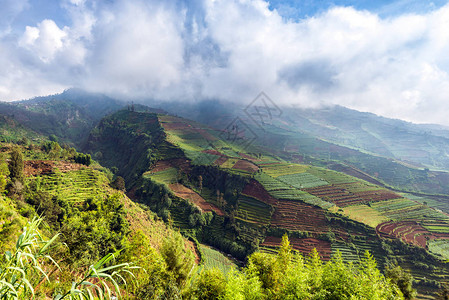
{"x":288,"y":275}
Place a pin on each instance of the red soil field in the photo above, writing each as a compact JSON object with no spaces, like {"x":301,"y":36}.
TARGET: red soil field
{"x":182,"y":164}
{"x":185,"y":193}
{"x":245,"y":165}
{"x":38,"y":167}
{"x":213,"y":151}
{"x":247,"y":156}
{"x":179,"y":163}
{"x":221,"y":160}
{"x":295,"y":215}
{"x":161,"y":165}
{"x":410,"y":232}
{"x":304,"y":245}
{"x":256,"y":190}
{"x":340,"y":196}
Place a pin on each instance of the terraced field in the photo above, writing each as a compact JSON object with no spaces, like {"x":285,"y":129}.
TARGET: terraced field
{"x":253,"y":211}
{"x":405,"y":209}
{"x":187,"y":194}
{"x":256,"y":190}
{"x":279,"y":169}
{"x":364,"y":214}
{"x":166,"y":176}
{"x":331,"y":176}
{"x":409,"y":231}
{"x":440,"y":247}
{"x":75,"y":186}
{"x":295,"y":215}
{"x":246,"y":166}
{"x":302,"y":180}
{"x":342,"y":197}
{"x":216,"y":259}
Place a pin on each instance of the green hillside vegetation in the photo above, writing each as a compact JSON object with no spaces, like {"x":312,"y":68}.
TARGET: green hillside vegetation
{"x":89,"y":220}
{"x":92,"y":241}
{"x":243,"y":200}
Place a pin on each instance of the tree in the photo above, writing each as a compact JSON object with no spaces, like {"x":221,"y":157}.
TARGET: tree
{"x":16,"y":165}
{"x":200,"y":183}
{"x":119,"y":184}
{"x":211,"y":284}
{"x":403,"y":280}
{"x":4,"y":173}
{"x":179,"y":260}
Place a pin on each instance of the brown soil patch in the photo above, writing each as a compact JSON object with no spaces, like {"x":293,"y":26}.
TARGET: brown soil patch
{"x":185,"y":193}
{"x":191,"y":245}
{"x":410,"y":232}
{"x":161,"y":166}
{"x":339,"y":195}
{"x":256,"y":190}
{"x":221,"y":160}
{"x":44,"y":167}
{"x":295,"y":215}
{"x":179,"y":163}
{"x":245,"y":165}
{"x":213,"y":152}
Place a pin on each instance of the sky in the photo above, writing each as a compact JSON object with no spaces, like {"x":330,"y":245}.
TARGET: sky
{"x":386,"y":57}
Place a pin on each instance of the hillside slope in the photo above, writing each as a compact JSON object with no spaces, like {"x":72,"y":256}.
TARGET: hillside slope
{"x":241,"y":198}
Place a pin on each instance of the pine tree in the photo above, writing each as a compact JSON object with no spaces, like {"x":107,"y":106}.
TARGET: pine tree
{"x":16,"y":165}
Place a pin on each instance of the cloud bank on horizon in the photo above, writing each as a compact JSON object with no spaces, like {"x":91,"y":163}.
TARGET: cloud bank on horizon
{"x":391,"y":58}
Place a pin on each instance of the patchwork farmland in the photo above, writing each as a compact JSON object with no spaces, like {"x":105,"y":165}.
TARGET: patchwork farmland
{"x":318,"y":208}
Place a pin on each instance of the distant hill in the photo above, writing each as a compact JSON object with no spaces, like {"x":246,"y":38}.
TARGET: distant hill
{"x":70,"y":116}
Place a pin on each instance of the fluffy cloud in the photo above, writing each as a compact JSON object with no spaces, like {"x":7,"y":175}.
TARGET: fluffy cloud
{"x":396,"y":66}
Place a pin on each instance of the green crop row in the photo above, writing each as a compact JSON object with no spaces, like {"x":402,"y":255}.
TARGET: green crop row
{"x":302,"y":180}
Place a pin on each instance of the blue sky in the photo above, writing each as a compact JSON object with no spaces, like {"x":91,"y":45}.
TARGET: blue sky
{"x":307,"y":8}
{"x":386,"y":57}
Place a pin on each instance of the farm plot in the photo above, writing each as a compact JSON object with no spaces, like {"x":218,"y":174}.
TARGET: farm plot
{"x":270,"y":183}
{"x":167,"y":176}
{"x":364,"y":214}
{"x":216,"y":259}
{"x":202,"y":158}
{"x":256,"y":190}
{"x":356,"y":187}
{"x":75,"y":186}
{"x":408,"y":231}
{"x":303,"y":245}
{"x":342,"y":197}
{"x":302,"y":180}
{"x":280,"y":169}
{"x":245,"y":166}
{"x":294,"y":215}
{"x":436,"y":226}
{"x":439,"y":247}
{"x":185,"y":193}
{"x":298,"y":195}
{"x":403,"y":209}
{"x":331,"y":176}
{"x":253,"y":211}
{"x":229,"y":163}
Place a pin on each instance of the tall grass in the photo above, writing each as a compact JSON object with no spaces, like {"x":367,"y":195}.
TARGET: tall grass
{"x":25,"y":267}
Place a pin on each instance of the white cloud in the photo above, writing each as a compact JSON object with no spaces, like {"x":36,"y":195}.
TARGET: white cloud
{"x":232,"y":49}
{"x":45,"y":40}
